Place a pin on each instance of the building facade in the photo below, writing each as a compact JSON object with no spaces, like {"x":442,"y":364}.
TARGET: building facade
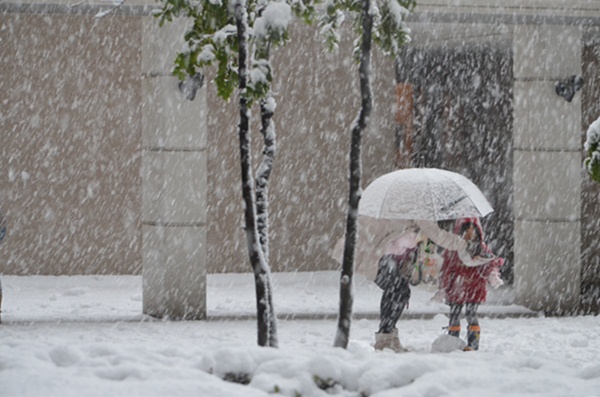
{"x":105,"y":168}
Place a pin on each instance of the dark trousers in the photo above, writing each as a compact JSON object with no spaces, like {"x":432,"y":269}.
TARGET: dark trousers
{"x":470,"y":314}
{"x":393,"y":301}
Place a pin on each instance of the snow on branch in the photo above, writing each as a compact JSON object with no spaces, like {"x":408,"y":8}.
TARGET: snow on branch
{"x":274,"y":20}
{"x":390,"y":31}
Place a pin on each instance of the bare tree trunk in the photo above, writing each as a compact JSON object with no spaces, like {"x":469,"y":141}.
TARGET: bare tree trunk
{"x":257,"y":259}
{"x":263,"y":174}
{"x":342,"y":336}
{"x":262,"y":202}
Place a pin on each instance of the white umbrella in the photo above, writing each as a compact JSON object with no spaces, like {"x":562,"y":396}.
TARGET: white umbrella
{"x":410,"y":199}
{"x":425,"y":194}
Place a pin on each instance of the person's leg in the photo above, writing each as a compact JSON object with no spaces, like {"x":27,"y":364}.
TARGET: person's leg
{"x":454,"y":323}
{"x":393,"y":302}
{"x":473,"y":330}
{"x":391,"y":309}
{"x":385,"y":312}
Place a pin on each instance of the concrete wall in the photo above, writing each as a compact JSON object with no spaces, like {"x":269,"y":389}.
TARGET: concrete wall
{"x":547,"y":166}
{"x":80,"y":206}
{"x":174,"y":169}
{"x":70,"y":186}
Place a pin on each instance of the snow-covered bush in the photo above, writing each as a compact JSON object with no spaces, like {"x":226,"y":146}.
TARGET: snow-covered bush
{"x":592,"y":160}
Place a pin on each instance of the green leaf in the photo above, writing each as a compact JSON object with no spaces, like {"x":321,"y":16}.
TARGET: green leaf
{"x":390,"y":33}
{"x":592,"y":162}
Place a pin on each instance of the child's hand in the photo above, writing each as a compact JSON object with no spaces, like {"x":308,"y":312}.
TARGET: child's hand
{"x":494,"y":279}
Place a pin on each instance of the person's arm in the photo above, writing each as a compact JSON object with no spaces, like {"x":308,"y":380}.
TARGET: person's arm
{"x":469,"y":261}
{"x":441,"y":237}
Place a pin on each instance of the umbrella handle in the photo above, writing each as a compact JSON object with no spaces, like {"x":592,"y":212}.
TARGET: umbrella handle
{"x":419,"y":268}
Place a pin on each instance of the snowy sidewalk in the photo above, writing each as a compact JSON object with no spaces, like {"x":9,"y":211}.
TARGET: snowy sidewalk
{"x":86,"y":335}
{"x":312,"y":295}
{"x":316,"y":295}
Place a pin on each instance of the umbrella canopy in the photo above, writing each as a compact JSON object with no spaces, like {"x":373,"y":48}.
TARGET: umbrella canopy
{"x":423,"y":194}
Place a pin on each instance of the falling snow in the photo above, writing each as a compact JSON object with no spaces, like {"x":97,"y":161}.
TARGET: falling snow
{"x":81,"y":116}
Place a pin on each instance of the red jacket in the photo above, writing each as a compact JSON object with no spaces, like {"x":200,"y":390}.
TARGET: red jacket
{"x":463,"y":284}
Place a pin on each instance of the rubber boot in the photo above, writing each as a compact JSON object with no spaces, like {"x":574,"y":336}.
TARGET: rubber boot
{"x":388,"y":341}
{"x":454,"y":330}
{"x":473,"y":333}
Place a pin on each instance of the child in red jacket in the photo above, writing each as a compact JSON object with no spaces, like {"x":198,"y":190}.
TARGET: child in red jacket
{"x":464,"y":278}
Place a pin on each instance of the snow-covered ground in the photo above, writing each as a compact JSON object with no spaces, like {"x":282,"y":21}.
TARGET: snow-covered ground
{"x":86,"y":336}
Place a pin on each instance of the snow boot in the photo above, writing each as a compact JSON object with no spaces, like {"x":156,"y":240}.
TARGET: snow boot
{"x":388,"y":341}
{"x":473,"y":333}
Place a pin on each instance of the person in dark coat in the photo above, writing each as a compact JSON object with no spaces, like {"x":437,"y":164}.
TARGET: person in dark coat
{"x":395,"y":270}
{"x":393,"y":277}
{"x":464,"y":279}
